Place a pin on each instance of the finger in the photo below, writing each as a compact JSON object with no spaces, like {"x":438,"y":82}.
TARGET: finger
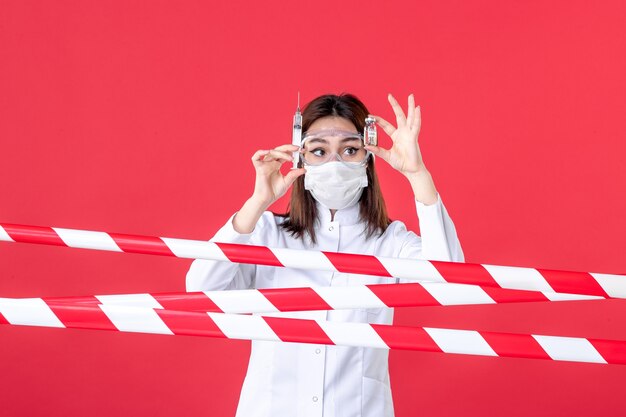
{"x":387,"y":127}
{"x":417,"y":120}
{"x":380,"y":152}
{"x":400,"y":117}
{"x":293,"y":175}
{"x":410,"y":114}
{"x":273,"y":154}
{"x":259,"y":154}
{"x":287,"y":148}
{"x":269,"y":158}
{"x":260,"y":157}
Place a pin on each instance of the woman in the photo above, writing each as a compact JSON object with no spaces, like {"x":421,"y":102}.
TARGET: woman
{"x":336,"y":205}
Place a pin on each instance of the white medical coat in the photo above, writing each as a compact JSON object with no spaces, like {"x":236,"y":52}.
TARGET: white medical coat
{"x":306,"y":380}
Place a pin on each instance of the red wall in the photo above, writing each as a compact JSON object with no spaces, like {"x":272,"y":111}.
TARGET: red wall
{"x":141,"y":117}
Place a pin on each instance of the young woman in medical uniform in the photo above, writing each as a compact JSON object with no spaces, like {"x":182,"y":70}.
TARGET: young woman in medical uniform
{"x":336,"y":205}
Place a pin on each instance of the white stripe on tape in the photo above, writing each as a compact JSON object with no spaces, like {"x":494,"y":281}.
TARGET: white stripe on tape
{"x":411,"y":269}
{"x":235,"y":326}
{"x":352,"y":334}
{"x":613,"y":285}
{"x":457,"y":294}
{"x":242,"y":301}
{"x":558,"y":296}
{"x":28,"y":312}
{"x":292,"y":258}
{"x":86,"y":239}
{"x":4,"y":236}
{"x":573,"y":349}
{"x":135,"y":319}
{"x":357,"y":296}
{"x":518,"y":278}
{"x":194,"y":249}
{"x":460,"y":341}
{"x":131,"y":300}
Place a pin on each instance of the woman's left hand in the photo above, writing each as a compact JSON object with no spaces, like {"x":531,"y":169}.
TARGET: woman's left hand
{"x":404,"y":155}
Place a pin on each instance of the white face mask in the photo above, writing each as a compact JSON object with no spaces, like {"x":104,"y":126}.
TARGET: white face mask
{"x":336,"y":185}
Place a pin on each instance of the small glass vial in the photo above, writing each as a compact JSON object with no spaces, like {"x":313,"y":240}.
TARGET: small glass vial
{"x":370,"y":134}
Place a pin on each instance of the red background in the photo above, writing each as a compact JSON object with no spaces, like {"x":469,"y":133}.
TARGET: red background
{"x":140,"y":117}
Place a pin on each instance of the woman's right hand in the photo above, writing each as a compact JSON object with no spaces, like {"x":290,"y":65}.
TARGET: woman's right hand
{"x":269,"y":186}
{"x":270,"y":183}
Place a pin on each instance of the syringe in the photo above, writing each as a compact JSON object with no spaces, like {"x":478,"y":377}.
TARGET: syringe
{"x":296,"y":137}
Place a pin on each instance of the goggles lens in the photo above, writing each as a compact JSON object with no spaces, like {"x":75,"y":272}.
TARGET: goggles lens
{"x":332,"y":145}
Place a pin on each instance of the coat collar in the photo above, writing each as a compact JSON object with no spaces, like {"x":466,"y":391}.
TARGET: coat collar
{"x":348,"y":216}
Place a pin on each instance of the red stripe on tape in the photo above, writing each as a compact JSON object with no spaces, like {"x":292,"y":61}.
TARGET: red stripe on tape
{"x":411,"y":295}
{"x":141,"y":244}
{"x":515,"y":345}
{"x":81,"y":316}
{"x":193,"y":301}
{"x":461,"y":273}
{"x":408,"y":338}
{"x":3,"y":320}
{"x":292,"y":299}
{"x":83,"y":300}
{"x":190,"y":323}
{"x":357,"y":264}
{"x":259,"y":255}
{"x":573,"y":282}
{"x":306,"y":331}
{"x":501,"y":295}
{"x":613,"y":351}
{"x":33,"y":234}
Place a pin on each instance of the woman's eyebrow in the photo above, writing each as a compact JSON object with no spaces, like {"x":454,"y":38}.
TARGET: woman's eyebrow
{"x":324,"y":141}
{"x":321,"y":140}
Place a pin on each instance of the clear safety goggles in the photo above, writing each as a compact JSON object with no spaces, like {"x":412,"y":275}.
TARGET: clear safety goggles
{"x":333,"y":145}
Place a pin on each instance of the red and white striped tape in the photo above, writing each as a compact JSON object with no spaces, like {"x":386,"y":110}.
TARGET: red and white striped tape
{"x":274,"y":300}
{"x":531,"y":279}
{"x":34,"y":312}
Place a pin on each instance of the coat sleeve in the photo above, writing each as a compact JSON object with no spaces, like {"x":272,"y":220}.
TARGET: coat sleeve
{"x":438,"y":240}
{"x":207,"y":275}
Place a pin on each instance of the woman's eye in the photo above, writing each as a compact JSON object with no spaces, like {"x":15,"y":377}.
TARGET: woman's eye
{"x":318,"y":152}
{"x":350,"y":151}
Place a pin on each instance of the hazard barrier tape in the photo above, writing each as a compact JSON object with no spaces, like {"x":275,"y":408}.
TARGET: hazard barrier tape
{"x":34,"y":312}
{"x":273,"y":300}
{"x":520,"y":278}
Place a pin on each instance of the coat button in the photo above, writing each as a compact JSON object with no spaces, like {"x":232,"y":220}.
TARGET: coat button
{"x":314,"y":399}
{"x":318,"y":351}
{"x":331,"y":228}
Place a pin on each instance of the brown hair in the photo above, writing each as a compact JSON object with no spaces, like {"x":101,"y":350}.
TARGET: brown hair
{"x":302,"y":212}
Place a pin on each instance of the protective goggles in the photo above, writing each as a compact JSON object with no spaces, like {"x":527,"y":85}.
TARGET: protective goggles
{"x":333,"y":145}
